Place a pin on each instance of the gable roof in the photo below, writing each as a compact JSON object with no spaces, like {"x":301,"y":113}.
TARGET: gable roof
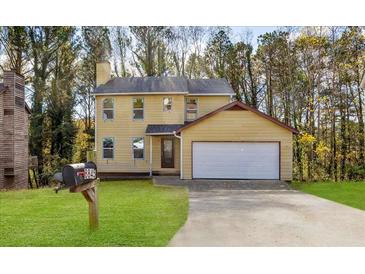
{"x":164,"y":85}
{"x":239,"y":105}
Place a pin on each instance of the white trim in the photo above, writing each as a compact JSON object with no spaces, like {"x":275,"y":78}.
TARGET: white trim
{"x":138,"y":93}
{"x":210,"y":94}
{"x":163,"y":93}
{"x":144,"y":148}
{"x":163,"y":104}
{"x":159,"y":133}
{"x":151,"y":155}
{"x":133,"y":108}
{"x":185,"y":108}
{"x":181,"y":140}
{"x":103,"y":109}
{"x":181,"y":156}
{"x":102,"y":148}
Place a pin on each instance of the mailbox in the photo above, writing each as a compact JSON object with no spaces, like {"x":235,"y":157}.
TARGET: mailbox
{"x":82,"y":178}
{"x":77,"y":174}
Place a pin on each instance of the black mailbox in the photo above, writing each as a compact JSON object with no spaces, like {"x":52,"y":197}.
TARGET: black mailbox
{"x":77,"y":174}
{"x":83,"y":174}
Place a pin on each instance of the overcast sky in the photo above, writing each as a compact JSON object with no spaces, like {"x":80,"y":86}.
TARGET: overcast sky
{"x":255,"y":32}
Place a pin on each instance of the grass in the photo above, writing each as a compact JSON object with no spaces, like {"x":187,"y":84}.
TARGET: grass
{"x":348,"y":193}
{"x":131,"y":213}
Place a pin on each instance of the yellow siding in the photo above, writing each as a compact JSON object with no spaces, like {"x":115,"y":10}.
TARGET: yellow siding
{"x":238,"y":126}
{"x":123,"y":128}
{"x":207,"y":104}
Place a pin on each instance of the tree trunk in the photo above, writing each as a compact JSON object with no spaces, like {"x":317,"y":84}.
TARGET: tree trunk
{"x":343,"y":142}
{"x":361,"y":128}
{"x":333,"y":162}
{"x":270,"y":95}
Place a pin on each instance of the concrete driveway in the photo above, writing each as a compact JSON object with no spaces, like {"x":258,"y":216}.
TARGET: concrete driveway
{"x":221,"y":217}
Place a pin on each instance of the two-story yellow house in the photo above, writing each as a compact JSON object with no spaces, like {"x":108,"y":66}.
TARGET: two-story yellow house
{"x":187,"y":127}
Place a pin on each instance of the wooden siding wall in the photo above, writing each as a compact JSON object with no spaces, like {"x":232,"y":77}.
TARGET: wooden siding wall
{"x":123,"y":128}
{"x":207,"y":104}
{"x":14,"y":139}
{"x":238,"y":125}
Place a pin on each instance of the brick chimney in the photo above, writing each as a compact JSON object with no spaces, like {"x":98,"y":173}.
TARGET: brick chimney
{"x":13,"y":133}
{"x":103,"y":72}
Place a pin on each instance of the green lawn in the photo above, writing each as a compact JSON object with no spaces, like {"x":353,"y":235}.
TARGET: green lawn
{"x":348,"y":193}
{"x":131,"y":213}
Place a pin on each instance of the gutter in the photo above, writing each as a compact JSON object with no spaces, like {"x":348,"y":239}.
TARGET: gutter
{"x":136,"y":93}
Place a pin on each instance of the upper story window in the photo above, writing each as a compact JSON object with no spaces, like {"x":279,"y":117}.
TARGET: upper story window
{"x":167,"y":104}
{"x":108,"y":109}
{"x":138,"y":148}
{"x":108,"y":148}
{"x":138,"y":105}
{"x":191,"y":109}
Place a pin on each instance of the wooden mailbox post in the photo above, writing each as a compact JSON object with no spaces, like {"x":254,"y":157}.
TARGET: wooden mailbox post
{"x":89,"y":192}
{"x":82,"y":177}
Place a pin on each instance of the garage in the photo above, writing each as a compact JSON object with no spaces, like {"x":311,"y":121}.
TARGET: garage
{"x":236,"y":160}
{"x":236,"y":141}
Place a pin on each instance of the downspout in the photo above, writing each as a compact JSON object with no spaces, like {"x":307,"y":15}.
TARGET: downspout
{"x":181,"y":152}
{"x":150,"y":155}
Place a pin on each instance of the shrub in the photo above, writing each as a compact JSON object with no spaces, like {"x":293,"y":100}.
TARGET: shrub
{"x":356,"y":172}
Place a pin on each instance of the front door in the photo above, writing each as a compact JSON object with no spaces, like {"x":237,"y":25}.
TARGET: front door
{"x":167,"y":153}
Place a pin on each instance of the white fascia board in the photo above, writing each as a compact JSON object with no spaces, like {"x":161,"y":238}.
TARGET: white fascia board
{"x":163,"y":93}
{"x":159,"y":133}
{"x":139,"y":93}
{"x":210,"y":94}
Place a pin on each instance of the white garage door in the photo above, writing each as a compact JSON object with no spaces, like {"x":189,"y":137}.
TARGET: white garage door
{"x":235,"y":160}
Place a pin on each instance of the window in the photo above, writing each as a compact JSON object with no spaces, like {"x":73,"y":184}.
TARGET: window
{"x":108,"y":148}
{"x":191,"y":109}
{"x":108,"y":109}
{"x":138,"y":148}
{"x":8,"y":111}
{"x":167,"y":104}
{"x":138,"y":108}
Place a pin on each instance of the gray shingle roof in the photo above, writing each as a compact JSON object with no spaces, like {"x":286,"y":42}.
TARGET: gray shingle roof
{"x":196,"y":86}
{"x":165,"y":84}
{"x":156,"y":129}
